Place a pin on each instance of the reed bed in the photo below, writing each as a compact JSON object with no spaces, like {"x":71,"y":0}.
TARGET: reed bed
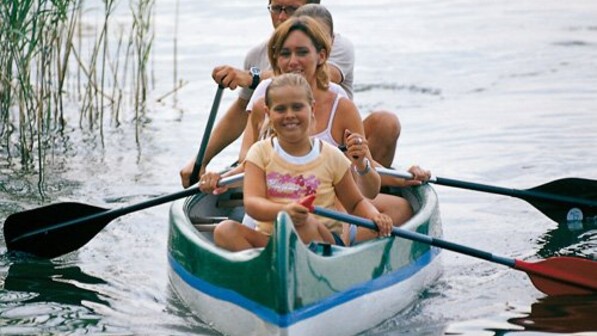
{"x":69,"y":53}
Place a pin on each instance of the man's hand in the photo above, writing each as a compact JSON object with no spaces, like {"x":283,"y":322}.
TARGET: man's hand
{"x":231,"y":77}
{"x":186,"y":171}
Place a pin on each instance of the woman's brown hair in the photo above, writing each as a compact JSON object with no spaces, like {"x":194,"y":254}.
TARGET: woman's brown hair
{"x":318,"y":36}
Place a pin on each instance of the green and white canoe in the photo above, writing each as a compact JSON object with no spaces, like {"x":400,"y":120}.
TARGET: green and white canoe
{"x":288,"y":289}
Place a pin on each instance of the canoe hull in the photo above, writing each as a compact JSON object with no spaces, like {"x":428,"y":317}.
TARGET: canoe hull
{"x":286,"y":289}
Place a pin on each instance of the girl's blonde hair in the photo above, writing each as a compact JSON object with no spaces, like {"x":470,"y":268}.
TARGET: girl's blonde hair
{"x":289,"y":79}
{"x":320,"y":39}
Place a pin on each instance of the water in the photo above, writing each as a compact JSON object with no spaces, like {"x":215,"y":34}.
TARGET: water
{"x":495,"y":92}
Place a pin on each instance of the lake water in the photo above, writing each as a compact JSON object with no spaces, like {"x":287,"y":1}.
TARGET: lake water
{"x":494,"y":92}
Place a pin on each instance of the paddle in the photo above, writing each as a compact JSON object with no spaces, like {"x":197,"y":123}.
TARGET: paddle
{"x":553,"y":276}
{"x":208,"y":127}
{"x":57,"y":229}
{"x":563,"y":200}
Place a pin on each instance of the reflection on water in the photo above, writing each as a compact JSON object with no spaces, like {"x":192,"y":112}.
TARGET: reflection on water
{"x":38,"y":293}
{"x":48,"y":282}
{"x":561,"y":314}
{"x":564,"y":241}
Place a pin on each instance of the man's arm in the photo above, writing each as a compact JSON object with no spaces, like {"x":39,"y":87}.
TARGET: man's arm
{"x":341,"y":63}
{"x":228,"y":129}
{"x":336,"y":75}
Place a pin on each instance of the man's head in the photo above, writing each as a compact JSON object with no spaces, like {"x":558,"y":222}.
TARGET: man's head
{"x":281,"y":10}
{"x":319,"y":13}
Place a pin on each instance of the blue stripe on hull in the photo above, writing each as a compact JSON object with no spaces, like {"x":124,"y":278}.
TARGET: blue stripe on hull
{"x":284,"y":321}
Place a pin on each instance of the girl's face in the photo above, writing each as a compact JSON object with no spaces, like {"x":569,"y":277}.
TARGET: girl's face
{"x":298,"y":55}
{"x":290,"y":113}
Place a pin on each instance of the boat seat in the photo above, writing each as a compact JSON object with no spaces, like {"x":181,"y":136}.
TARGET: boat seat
{"x":234,"y":199}
{"x":206,"y":224}
{"x":230,"y":203}
{"x":325,"y":249}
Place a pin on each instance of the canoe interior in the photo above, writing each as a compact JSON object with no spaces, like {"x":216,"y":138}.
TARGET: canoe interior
{"x":206,"y":211}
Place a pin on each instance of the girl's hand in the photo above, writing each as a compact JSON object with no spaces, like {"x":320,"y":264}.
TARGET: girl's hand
{"x":384,"y":225}
{"x":297,"y":212}
{"x":209,"y":183}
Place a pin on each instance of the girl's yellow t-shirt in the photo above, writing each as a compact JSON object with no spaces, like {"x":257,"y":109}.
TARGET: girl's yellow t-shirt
{"x":287,"y":182}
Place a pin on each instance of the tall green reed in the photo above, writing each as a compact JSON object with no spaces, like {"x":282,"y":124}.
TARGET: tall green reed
{"x":49,"y":57}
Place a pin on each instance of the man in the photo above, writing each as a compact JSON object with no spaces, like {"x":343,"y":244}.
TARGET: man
{"x":382,"y":129}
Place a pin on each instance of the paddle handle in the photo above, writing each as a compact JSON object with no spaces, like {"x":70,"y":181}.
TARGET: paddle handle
{"x":410,"y":235}
{"x":194,"y":178}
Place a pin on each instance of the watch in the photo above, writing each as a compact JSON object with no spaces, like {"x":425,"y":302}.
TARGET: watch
{"x":256,"y":73}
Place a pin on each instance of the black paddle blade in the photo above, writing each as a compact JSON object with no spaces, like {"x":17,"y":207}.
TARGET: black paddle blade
{"x":584,"y":210}
{"x":48,"y":232}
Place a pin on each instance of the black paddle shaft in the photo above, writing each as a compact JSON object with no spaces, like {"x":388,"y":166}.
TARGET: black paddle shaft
{"x":194,"y":178}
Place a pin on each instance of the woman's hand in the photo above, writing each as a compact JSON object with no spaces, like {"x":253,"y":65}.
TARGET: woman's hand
{"x":357,"y":149}
{"x":420,"y":176}
{"x":209,"y":183}
{"x":384,"y":225}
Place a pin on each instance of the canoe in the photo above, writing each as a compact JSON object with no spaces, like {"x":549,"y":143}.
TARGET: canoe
{"x":289,"y":288}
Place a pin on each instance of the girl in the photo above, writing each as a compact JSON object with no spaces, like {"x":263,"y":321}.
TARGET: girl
{"x":283,"y":169}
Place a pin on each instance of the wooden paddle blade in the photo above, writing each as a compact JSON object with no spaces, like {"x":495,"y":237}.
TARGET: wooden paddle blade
{"x":575,"y":188}
{"x":562,"y":275}
{"x":43,"y":233}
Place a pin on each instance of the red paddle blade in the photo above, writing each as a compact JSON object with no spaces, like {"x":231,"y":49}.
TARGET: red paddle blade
{"x":562,"y":275}
{"x":307,"y":202}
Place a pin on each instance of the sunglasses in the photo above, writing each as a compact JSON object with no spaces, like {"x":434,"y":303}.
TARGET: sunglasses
{"x":277,"y":9}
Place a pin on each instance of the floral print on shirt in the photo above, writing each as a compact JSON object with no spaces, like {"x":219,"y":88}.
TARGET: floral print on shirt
{"x":291,"y":187}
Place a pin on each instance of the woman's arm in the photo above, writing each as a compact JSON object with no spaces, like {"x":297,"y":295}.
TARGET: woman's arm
{"x":347,"y":130}
{"x":368,"y":179}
